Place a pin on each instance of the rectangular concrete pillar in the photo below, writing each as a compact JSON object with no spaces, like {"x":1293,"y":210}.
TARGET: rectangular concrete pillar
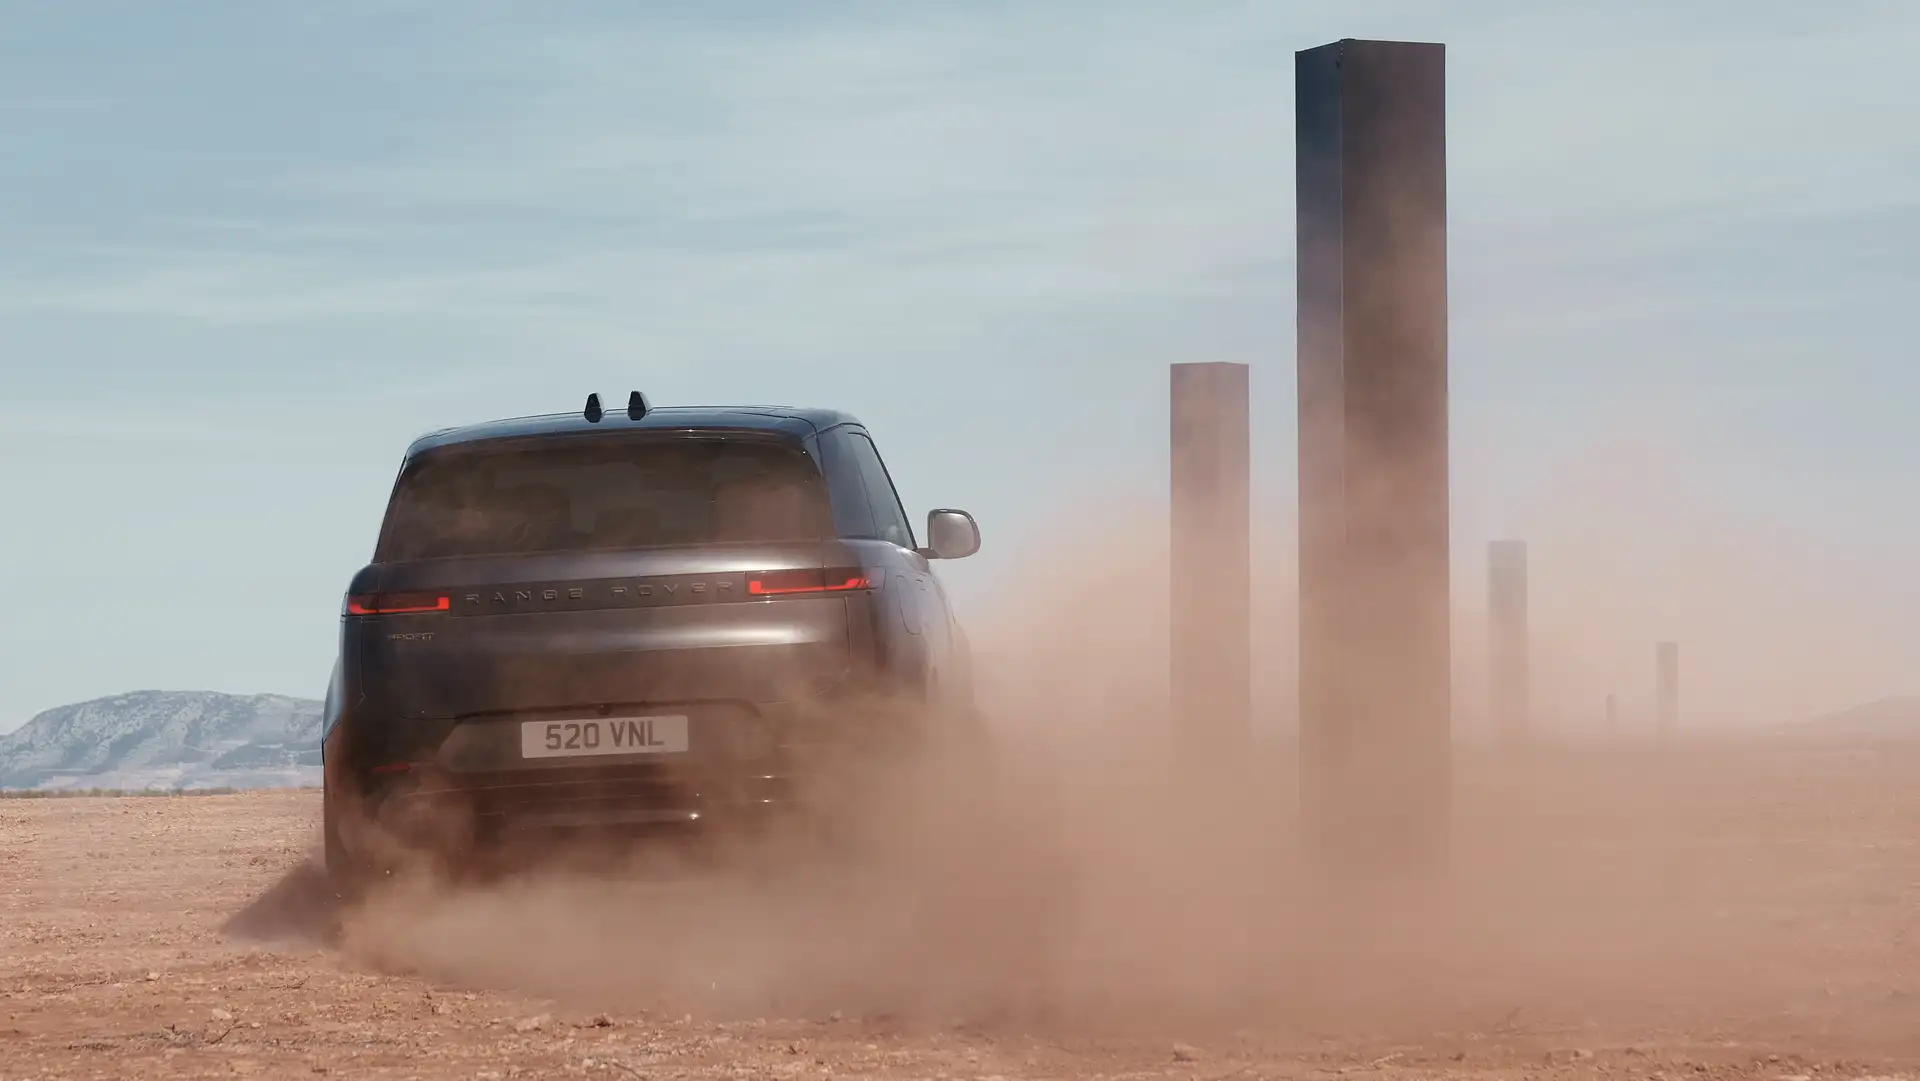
{"x":1211,"y":561}
{"x":1509,"y":687}
{"x":1666,"y":688}
{"x":1375,"y":649}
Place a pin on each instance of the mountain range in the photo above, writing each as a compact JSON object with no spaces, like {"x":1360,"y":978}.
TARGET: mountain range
{"x":167,"y":739}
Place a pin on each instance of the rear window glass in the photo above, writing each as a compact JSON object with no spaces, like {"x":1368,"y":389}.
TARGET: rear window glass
{"x":594,"y":494}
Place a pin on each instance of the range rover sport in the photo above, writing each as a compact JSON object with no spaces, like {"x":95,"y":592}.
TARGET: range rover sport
{"x":603,"y":620}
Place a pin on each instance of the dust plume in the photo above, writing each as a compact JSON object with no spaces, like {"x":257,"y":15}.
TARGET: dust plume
{"x":1084,"y":882}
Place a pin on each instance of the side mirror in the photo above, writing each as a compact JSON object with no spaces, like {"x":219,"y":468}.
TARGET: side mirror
{"x":951,"y":534}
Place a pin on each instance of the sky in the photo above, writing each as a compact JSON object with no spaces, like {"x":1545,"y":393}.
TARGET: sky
{"x":248,"y":251}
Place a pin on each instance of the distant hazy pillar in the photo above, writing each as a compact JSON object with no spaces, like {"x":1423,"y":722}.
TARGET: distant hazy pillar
{"x":1509,"y":679}
{"x":1666,"y":687}
{"x":1211,"y":655}
{"x":1375,"y":654}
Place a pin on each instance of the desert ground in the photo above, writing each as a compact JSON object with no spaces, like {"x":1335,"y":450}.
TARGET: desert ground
{"x":1716,"y":911}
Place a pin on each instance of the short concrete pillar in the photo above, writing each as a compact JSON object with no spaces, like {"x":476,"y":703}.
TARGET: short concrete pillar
{"x":1666,"y":689}
{"x":1211,"y":562}
{"x":1509,"y":677}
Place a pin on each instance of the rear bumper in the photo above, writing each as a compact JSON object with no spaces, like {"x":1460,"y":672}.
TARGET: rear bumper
{"x":577,"y":794}
{"x":468,"y":782}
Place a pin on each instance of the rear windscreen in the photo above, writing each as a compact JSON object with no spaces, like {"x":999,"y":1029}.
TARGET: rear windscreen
{"x":567,"y":495}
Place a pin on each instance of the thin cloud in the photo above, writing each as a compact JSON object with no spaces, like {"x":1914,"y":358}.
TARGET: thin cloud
{"x":639,"y":167}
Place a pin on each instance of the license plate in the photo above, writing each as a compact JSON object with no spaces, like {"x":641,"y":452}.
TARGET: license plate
{"x":603,"y":736}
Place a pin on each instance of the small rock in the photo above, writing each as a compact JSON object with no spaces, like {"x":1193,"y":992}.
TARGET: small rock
{"x":222,"y":1015}
{"x":599,"y":1020}
{"x":152,"y":976}
{"x":1185,"y":1053}
{"x":532,"y":1024}
{"x":836,"y":1017}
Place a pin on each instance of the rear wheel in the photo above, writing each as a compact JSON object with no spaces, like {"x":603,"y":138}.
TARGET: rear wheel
{"x":956,"y":734}
{"x":348,"y":872}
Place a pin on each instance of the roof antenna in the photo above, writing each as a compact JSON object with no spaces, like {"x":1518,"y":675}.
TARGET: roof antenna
{"x":593,"y":409}
{"x":636,"y":405}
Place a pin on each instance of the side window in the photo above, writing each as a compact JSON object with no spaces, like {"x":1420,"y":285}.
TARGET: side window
{"x":889,"y":518}
{"x":846,"y":484}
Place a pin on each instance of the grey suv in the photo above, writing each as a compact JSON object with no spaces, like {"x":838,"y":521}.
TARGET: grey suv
{"x":649,"y":618}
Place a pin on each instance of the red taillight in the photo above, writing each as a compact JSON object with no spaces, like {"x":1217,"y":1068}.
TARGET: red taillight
{"x":785,"y":583}
{"x":397,"y":604}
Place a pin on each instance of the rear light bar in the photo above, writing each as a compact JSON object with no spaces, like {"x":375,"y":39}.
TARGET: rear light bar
{"x":788,"y":583}
{"x":397,"y":604}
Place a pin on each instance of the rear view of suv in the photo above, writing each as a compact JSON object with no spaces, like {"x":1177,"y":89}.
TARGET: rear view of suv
{"x":605,"y":620}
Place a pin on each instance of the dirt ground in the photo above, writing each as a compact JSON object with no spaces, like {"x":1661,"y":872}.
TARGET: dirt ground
{"x":1709,"y":913}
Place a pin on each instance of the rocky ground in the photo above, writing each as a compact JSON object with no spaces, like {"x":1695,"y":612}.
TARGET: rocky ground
{"x":164,"y":938}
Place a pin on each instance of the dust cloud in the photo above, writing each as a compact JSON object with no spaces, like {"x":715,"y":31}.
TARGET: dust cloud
{"x":1086,"y":883}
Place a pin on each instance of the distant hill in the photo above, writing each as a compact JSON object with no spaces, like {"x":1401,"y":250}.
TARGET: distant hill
{"x":167,"y":739}
{"x":1887,"y":719}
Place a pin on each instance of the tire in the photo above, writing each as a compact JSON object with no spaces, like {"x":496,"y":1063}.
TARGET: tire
{"x":348,"y":874}
{"x":958,"y":732}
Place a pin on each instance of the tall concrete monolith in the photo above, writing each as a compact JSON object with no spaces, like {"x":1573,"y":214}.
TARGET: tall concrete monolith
{"x":1375,"y":648}
{"x":1211,"y":562}
{"x":1509,"y":679}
